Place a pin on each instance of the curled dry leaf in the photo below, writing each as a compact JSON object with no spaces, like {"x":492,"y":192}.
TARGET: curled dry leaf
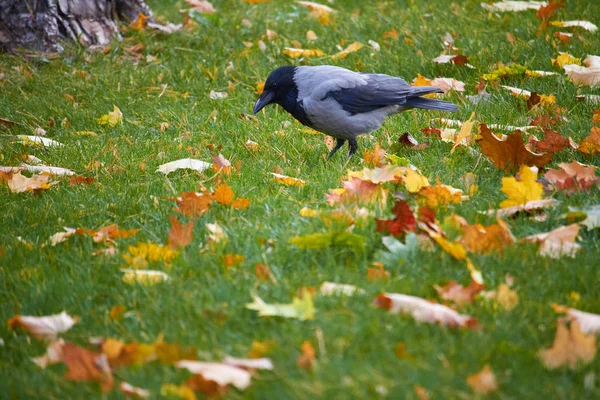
{"x":111,"y":119}
{"x":300,"y":308}
{"x":509,"y":152}
{"x":39,"y":169}
{"x":457,"y":293}
{"x":571,"y":347}
{"x":588,"y":26}
{"x":184,"y":163}
{"x":588,"y":322}
{"x":38,"y":140}
{"x":423,"y":310}
{"x":143,"y":276}
{"x":484,"y":381}
{"x":288,"y":180}
{"x":558,"y":242}
{"x":408,"y":140}
{"x":47,"y":327}
{"x":222,"y":374}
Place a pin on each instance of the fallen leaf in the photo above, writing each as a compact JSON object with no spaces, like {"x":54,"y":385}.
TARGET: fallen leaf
{"x":180,"y":235}
{"x":193,"y":204}
{"x":201,"y":6}
{"x":144,"y":277}
{"x":133,"y":392}
{"x":528,"y":207}
{"x":591,"y":144}
{"x":588,"y":26}
{"x":38,"y":169}
{"x":503,"y":296}
{"x":509,"y":152}
{"x":553,"y":142}
{"x":387,"y":173}
{"x":403,"y":222}
{"x":320,"y":12}
{"x":213,"y":95}
{"x":18,"y":183}
{"x":300,"y":308}
{"x":297,"y":53}
{"x":550,"y":9}
{"x":377,"y":272}
{"x":85,"y":365}
{"x":139,"y":23}
{"x":183,"y":392}
{"x":414,"y":181}
{"x":262,"y":272}
{"x":81,"y":180}
{"x":457,"y":293}
{"x":143,"y":253}
{"x":408,"y":140}
{"x":487,"y":239}
{"x":439,"y":196}
{"x":483,"y":382}
{"x":350,"y":49}
{"x":241,"y":203}
{"x":339,"y":289}
{"x":223,"y":194}
{"x":511,"y":6}
{"x":216,"y":234}
{"x":422,"y":310}
{"x":572,"y":176}
{"x":521,"y":191}
{"x":374,"y":158}
{"x":288,"y":180}
{"x":47,"y":327}
{"x":53,"y":354}
{"x":311,"y":36}
{"x":588,"y":322}
{"x":184,"y":163}
{"x":558,"y":242}
{"x":464,"y":136}
{"x":112,"y":118}
{"x":591,"y":215}
{"x":447,"y":84}
{"x":571,"y":347}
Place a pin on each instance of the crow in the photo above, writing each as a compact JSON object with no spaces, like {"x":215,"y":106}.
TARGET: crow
{"x":342,"y":103}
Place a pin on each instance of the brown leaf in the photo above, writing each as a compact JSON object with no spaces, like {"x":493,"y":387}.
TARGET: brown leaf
{"x":553,"y":142}
{"x":509,"y":152}
{"x":547,"y":11}
{"x":193,"y":204}
{"x":377,"y":272}
{"x":180,"y":235}
{"x":484,"y":381}
{"x":81,"y":180}
{"x":487,"y":239}
{"x":570,"y":347}
{"x":459,"y":294}
{"x":210,"y":388}
{"x":573,"y":176}
{"x":407,"y":140}
{"x":307,"y":358}
{"x":85,"y":365}
{"x":591,"y":144}
{"x":375,"y":157}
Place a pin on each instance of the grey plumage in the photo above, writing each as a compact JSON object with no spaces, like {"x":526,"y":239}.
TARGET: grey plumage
{"x":342,"y":103}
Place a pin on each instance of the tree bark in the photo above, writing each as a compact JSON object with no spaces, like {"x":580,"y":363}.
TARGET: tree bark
{"x":41,"y":25}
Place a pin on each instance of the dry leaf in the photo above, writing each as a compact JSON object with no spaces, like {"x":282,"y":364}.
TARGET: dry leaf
{"x":193,"y":204}
{"x":422,"y":310}
{"x":297,"y":53}
{"x":403,"y":222}
{"x":213,"y":95}
{"x":588,"y":26}
{"x":558,"y":242}
{"x":307,"y":359}
{"x":47,"y":327}
{"x":216,"y":234}
{"x":85,"y":365}
{"x":184,"y":163}
{"x":375,"y":157}
{"x":144,"y":277}
{"x":19,"y":183}
{"x":588,"y":322}
{"x":201,"y":6}
{"x":38,"y":141}
{"x":572,"y":177}
{"x":447,"y":84}
{"x":457,"y":293}
{"x":287,"y":180}
{"x":52,"y":356}
{"x":350,"y":49}
{"x":300,"y":308}
{"x":553,"y":142}
{"x":510,"y":5}
{"x":112,"y":118}
{"x":483,"y":382}
{"x":570,"y":347}
{"x":133,"y":392}
{"x":591,"y":144}
{"x":220,"y":163}
{"x":180,"y":235}
{"x":521,"y":191}
{"x":509,"y":152}
{"x":339,"y":289}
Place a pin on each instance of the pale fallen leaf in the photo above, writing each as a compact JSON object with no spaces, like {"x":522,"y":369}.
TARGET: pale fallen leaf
{"x":558,"y":242}
{"x":134,"y":392}
{"x":350,"y":49}
{"x":201,"y":6}
{"x":422,"y":310}
{"x":217,"y":95}
{"x":528,"y":207}
{"x":252,"y":363}
{"x":19,"y":183}
{"x":570,"y":347}
{"x":220,"y":373}
{"x":38,"y":169}
{"x":47,"y":327}
{"x":588,"y":26}
{"x":38,"y":140}
{"x":184,"y":163}
{"x":300,"y":308}
{"x":447,"y":84}
{"x":338,"y":289}
{"x":52,"y":356}
{"x":143,"y":276}
{"x":506,"y":6}
{"x":287,"y":180}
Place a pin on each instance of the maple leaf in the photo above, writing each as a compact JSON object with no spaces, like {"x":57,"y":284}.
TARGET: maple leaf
{"x":47,"y":327}
{"x":139,"y":23}
{"x":464,"y":136}
{"x":300,"y":308}
{"x":509,"y":152}
{"x":447,"y":84}
{"x":223,"y":194}
{"x":112,"y":118}
{"x":521,"y":191}
{"x":423,"y":310}
{"x":484,"y":381}
{"x":358,"y":191}
{"x":403,"y":222}
{"x":180,"y":235}
{"x":350,"y":49}
{"x":19,"y":183}
{"x":550,"y":9}
{"x":439,"y":196}
{"x":193,"y":204}
{"x":487,"y":239}
{"x":387,"y":173}
{"x":85,"y":365}
{"x":297,"y":53}
{"x":220,"y":163}
{"x":318,"y":11}
{"x":571,"y":346}
{"x":565,"y":59}
{"x":558,"y":242}
{"x":81,"y":180}
{"x":505,"y":71}
{"x":288,"y":180}
{"x":573,"y":176}
{"x":591,"y":144}
{"x":201,"y":6}
{"x":455,"y":249}
{"x":553,"y":142}
{"x":375,"y":157}
{"x":414,"y":181}
{"x":184,"y":163}
{"x":420,"y":80}
{"x":457,"y":293}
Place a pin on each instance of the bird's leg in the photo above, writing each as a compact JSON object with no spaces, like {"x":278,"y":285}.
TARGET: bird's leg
{"x":338,"y":143}
{"x":353,"y":145}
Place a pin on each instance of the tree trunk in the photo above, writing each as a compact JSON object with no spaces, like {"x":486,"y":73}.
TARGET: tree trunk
{"x":41,"y":25}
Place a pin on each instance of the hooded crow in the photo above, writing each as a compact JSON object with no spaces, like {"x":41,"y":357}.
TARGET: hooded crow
{"x":342,"y":103}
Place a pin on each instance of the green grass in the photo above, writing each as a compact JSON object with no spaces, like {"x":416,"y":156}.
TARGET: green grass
{"x":203,"y":304}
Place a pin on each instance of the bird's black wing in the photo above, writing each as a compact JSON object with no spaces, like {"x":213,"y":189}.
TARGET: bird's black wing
{"x":379,"y":91}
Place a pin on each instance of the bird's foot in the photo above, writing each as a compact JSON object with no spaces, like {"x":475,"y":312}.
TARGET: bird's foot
{"x":353,"y":145}
{"x":338,"y":144}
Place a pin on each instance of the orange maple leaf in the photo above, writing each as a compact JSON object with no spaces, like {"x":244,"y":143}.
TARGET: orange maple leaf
{"x":375,"y":157}
{"x":193,"y":204}
{"x":487,"y":239}
{"x":591,"y":144}
{"x":553,"y":142}
{"x":459,"y":294}
{"x":509,"y":152}
{"x":223,"y":194}
{"x":180,"y":235}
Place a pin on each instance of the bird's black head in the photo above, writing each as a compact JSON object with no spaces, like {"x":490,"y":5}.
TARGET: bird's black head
{"x":280,"y":88}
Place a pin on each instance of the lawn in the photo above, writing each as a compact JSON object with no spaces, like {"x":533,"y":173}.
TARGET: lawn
{"x":163,"y":93}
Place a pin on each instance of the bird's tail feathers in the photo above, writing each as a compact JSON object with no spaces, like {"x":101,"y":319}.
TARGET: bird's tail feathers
{"x":431,"y":104}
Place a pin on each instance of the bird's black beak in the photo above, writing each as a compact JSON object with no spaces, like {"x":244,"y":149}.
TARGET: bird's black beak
{"x":264,"y":100}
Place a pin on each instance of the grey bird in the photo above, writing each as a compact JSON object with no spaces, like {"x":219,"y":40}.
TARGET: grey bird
{"x":342,"y":103}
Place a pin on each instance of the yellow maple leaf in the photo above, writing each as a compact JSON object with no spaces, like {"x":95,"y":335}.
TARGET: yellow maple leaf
{"x":297,"y":53}
{"x":414,"y":181}
{"x":565,"y":59}
{"x":464,"y":135}
{"x":112,"y":118}
{"x":523,"y":191}
{"x":420,"y":80}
